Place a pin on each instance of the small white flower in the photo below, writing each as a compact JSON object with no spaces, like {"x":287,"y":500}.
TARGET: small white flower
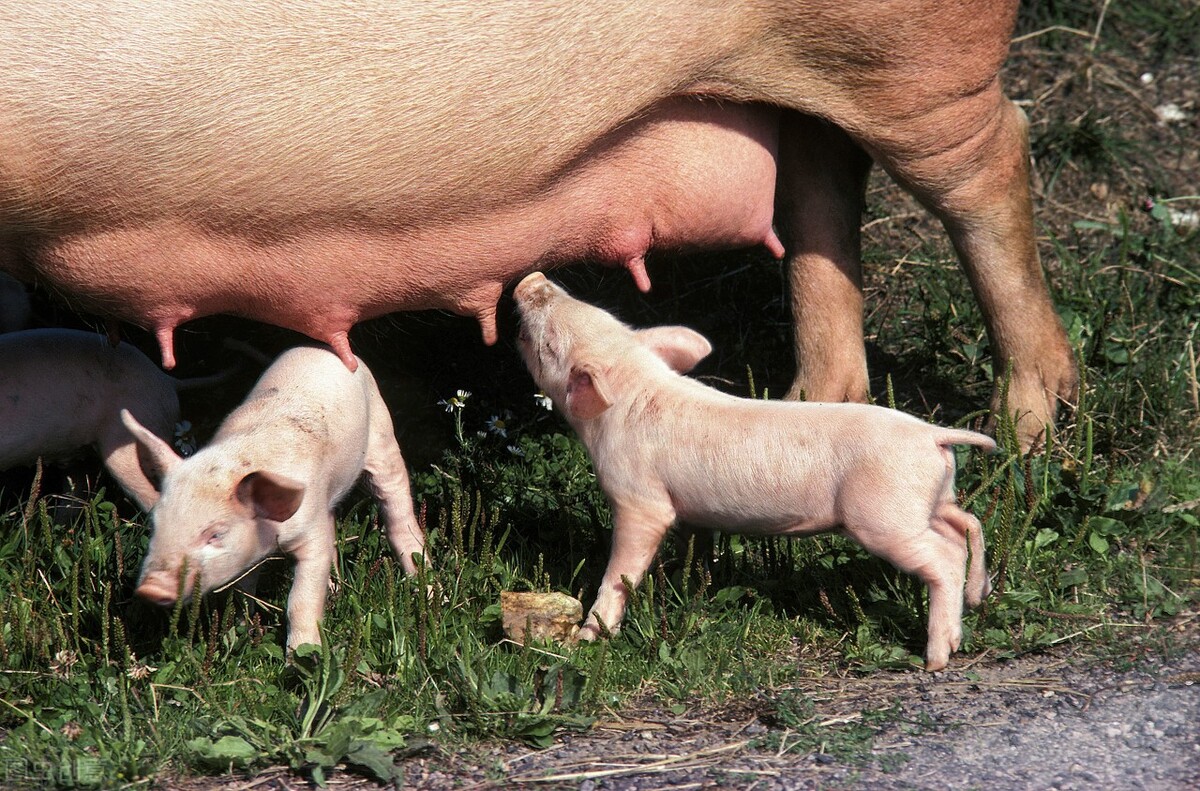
{"x":63,"y":662}
{"x":497,"y":426}
{"x":544,"y":401}
{"x":455,"y":402}
{"x":516,"y":451}
{"x":434,"y":727}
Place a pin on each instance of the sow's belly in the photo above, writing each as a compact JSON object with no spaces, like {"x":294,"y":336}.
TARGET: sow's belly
{"x":689,"y":174}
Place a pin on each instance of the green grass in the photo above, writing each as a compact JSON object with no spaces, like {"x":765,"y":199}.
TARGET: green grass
{"x":1087,"y":540}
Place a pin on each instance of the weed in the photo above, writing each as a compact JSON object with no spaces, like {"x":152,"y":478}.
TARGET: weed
{"x":797,"y":729}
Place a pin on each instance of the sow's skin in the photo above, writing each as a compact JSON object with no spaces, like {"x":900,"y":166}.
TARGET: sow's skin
{"x":666,"y":447}
{"x":61,"y":390}
{"x":269,"y":481}
{"x":314,"y":164}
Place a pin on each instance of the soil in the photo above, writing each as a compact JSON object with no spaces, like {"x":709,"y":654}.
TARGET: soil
{"x":1045,"y":721}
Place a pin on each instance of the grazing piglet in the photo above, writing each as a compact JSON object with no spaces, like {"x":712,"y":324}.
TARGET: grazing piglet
{"x":666,"y":447}
{"x":269,"y":481}
{"x":61,"y":390}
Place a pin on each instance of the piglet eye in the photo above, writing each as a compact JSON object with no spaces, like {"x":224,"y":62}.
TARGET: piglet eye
{"x":214,"y":536}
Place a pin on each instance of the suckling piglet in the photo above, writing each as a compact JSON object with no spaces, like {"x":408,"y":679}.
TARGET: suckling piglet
{"x":666,"y":447}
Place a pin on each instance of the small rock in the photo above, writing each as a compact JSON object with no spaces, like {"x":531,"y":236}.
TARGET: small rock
{"x":1170,"y":113}
{"x":1187,"y":220}
{"x":540,"y":616}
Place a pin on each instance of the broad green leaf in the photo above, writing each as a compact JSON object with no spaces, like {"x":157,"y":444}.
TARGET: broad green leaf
{"x":376,"y":759}
{"x":226,"y":750}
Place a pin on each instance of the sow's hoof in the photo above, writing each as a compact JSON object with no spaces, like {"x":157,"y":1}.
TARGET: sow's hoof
{"x":540,"y":616}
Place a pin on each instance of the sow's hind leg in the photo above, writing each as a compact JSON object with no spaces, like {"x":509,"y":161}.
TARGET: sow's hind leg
{"x":976,"y":180}
{"x":921,"y":95}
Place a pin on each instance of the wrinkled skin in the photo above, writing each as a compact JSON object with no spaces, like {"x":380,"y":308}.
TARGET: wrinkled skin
{"x":268,"y":482}
{"x":666,"y":447}
{"x":61,"y":390}
{"x":313,"y":164}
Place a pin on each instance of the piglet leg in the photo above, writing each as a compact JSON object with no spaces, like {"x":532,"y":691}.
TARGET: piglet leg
{"x":637,"y":535}
{"x":389,"y":482}
{"x":938,"y":561}
{"x":962,"y":525}
{"x":306,"y":601}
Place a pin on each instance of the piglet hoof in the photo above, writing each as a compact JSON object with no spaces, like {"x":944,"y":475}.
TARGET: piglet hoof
{"x":296,"y":641}
{"x":935,"y":662}
{"x":588,"y":633}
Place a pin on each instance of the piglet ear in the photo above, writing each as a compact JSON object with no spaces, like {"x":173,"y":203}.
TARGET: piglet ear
{"x":155,"y":456}
{"x":680,"y":347}
{"x":271,"y":496}
{"x":587,"y":395}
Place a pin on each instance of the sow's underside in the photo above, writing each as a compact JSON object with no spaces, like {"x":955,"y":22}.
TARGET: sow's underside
{"x":313,"y":164}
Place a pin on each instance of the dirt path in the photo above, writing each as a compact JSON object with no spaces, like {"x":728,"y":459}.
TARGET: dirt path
{"x":1063,"y":720}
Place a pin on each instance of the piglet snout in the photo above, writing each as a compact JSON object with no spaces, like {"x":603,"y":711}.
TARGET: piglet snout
{"x":157,"y":589}
{"x":530,"y":287}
